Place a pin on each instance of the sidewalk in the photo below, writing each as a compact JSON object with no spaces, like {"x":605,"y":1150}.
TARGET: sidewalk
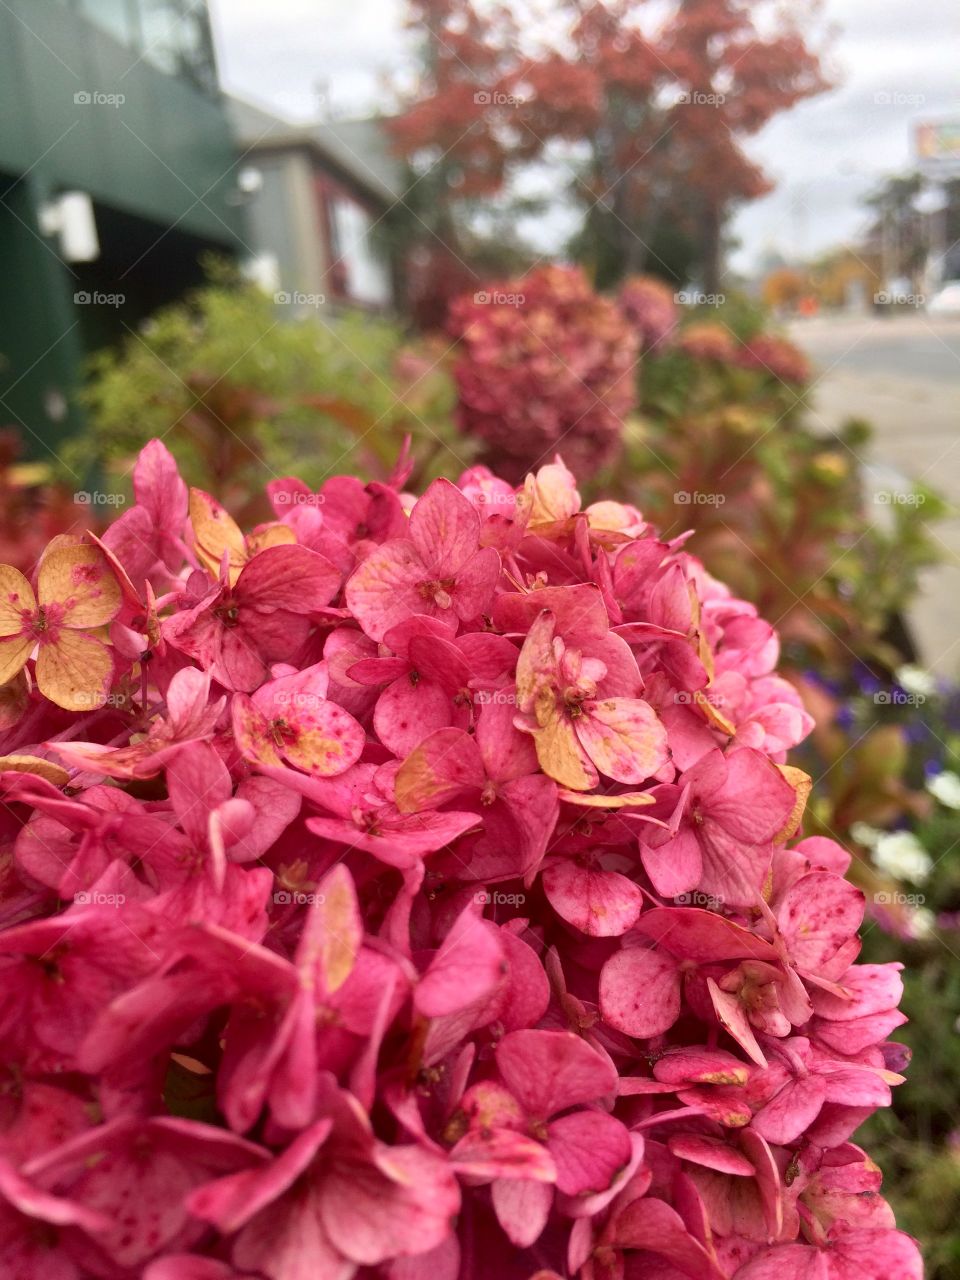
{"x":901,"y":374}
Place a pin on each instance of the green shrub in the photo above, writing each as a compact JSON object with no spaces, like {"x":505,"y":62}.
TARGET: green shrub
{"x":241,"y":391}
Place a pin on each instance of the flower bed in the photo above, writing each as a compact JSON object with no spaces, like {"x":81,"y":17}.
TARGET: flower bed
{"x":416,"y":889}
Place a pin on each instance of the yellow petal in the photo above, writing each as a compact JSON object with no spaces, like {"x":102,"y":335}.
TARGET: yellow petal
{"x":552,"y":494}
{"x":715,"y":717}
{"x":34,"y":764}
{"x":215,"y":531}
{"x":342,"y":931}
{"x":14,"y":696}
{"x":75,"y":671}
{"x":80,"y":579}
{"x":536,"y":663}
{"x":627,"y":800}
{"x":16,"y":595}
{"x":270,"y":535}
{"x":14,"y":652}
{"x":802,"y":784}
{"x":560,"y":757}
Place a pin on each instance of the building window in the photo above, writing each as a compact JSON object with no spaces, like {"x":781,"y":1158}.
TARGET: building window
{"x":175,"y":36}
{"x":116,"y":17}
{"x":367,"y":276}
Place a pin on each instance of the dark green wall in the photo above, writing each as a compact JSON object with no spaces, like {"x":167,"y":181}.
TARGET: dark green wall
{"x":154,"y":155}
{"x":159,"y":166}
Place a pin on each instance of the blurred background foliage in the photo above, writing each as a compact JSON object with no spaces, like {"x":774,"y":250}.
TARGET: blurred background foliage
{"x":237,"y":387}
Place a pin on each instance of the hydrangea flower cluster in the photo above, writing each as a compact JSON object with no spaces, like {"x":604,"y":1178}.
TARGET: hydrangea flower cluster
{"x":776,"y":356}
{"x":764,"y":353}
{"x":414,"y":889}
{"x":650,"y":307}
{"x":544,"y":359}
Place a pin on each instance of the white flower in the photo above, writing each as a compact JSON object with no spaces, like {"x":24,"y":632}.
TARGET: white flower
{"x":945,"y":787}
{"x":915,"y":680}
{"x":901,"y":855}
{"x":866,"y":835}
{"x":922,"y":922}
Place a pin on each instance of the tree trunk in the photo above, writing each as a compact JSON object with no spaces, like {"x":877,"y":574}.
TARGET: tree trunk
{"x":711,"y":248}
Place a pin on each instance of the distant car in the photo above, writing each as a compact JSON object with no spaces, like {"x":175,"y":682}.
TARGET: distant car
{"x":946,"y":301}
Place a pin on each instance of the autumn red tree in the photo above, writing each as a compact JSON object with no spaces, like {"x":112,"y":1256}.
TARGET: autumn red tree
{"x":655,"y":108}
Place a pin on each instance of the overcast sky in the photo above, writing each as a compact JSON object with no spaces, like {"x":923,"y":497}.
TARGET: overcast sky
{"x":894,"y":61}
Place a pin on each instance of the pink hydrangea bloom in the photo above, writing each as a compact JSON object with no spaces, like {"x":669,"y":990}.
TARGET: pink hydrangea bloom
{"x":651,"y":309}
{"x":426,"y":898}
{"x":544,"y":363}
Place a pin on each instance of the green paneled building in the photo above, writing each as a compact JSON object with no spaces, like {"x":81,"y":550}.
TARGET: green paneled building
{"x":117,"y":173}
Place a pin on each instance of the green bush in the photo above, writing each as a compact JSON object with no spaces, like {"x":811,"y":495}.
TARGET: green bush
{"x":241,"y":390}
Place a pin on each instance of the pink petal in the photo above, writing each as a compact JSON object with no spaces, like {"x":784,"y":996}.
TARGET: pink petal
{"x":674,"y":867}
{"x":548,"y":1071}
{"x":287,"y":1241}
{"x":440,"y":768}
{"x":502,"y":1153}
{"x":475,"y":584}
{"x":231,"y":1201}
{"x":468,"y":967}
{"x":640,"y":992}
{"x":579,"y":611}
{"x":711,"y":1153}
{"x":703,"y":1066}
{"x":406,"y":713}
{"x":445,"y":528}
{"x":385,"y":588}
{"x":197,"y":781}
{"x":653,"y":1226}
{"x":405,"y":1206}
{"x":402,"y":843}
{"x":772,"y":798}
{"x":522,"y":1209}
{"x":603,"y":904}
{"x":290,"y":578}
{"x":441,"y":1263}
{"x":704,"y":936}
{"x":733,"y":1018}
{"x":791,"y":1111}
{"x":589,"y":1149}
{"x":788,"y":1262}
{"x":818,"y":917}
{"x":507,"y":753}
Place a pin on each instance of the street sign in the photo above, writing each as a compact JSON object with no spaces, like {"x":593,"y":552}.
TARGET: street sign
{"x":936,"y":144}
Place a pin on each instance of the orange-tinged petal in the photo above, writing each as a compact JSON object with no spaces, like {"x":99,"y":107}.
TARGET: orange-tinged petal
{"x":35,"y":764}
{"x":552,"y":494}
{"x":624,"y":737}
{"x":14,"y":696}
{"x":16,"y":596}
{"x":802,"y":785}
{"x":251,"y":731}
{"x":81,"y":580}
{"x":14,"y":652}
{"x":75,"y":671}
{"x":269,"y":535}
{"x":342,"y":928}
{"x":560,"y":756}
{"x":715,"y":718}
{"x":215,"y":531}
{"x":536,"y":664}
{"x":627,"y":800}
{"x":334,"y":931}
{"x":329,"y":751}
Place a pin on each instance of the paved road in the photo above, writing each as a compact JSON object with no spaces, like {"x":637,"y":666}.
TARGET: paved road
{"x":901,"y":373}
